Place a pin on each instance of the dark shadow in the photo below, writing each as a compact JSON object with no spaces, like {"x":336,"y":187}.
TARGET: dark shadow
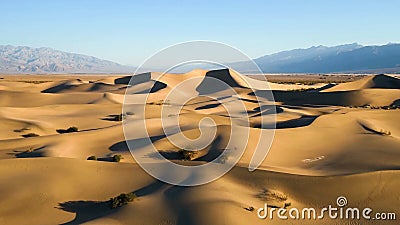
{"x":396,"y":103}
{"x":59,"y":88}
{"x":134,"y":79}
{"x":113,"y":117}
{"x":325,"y":87}
{"x":156,"y":87}
{"x":120,"y":146}
{"x":214,"y":151}
{"x":69,"y":130}
{"x":249,"y":100}
{"x":371,"y":130}
{"x":300,"y":122}
{"x":303,"y":98}
{"x":210,"y":85}
{"x":30,"y":135}
{"x":168,"y":155}
{"x":34,"y":153}
{"x":208,"y":106}
{"x":86,"y":210}
{"x":105,"y":159}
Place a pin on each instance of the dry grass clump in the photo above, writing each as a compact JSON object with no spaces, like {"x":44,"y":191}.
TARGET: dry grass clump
{"x":122,"y":199}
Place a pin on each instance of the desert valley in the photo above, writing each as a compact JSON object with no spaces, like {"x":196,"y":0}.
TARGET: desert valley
{"x":64,"y":156}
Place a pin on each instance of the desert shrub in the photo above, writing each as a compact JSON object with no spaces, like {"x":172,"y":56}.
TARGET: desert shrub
{"x":72,"y":129}
{"x":117,"y":117}
{"x":301,"y":89}
{"x":384,"y":132}
{"x":69,"y":130}
{"x":250,"y":208}
{"x":30,"y":135}
{"x":35,"y":81}
{"x":187,"y":155}
{"x":117,"y":158}
{"x":122,"y":199}
{"x":160,"y":102}
{"x":92,"y":157}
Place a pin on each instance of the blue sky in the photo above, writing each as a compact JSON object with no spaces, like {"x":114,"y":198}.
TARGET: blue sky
{"x":128,"y":32}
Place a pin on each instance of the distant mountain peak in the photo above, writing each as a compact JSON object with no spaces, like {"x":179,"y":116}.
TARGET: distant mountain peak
{"x":23,"y":59}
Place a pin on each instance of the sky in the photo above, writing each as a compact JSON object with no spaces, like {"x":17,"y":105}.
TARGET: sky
{"x":128,"y":32}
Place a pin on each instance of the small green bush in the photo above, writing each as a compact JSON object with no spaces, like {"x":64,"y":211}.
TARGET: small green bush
{"x":122,"y":199}
{"x":117,"y":158}
{"x":92,"y":157}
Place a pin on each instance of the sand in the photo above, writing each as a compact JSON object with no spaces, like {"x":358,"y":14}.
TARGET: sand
{"x":331,"y":140}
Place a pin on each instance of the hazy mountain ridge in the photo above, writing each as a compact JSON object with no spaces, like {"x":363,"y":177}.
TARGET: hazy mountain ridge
{"x":342,"y":58}
{"x":22,"y":59}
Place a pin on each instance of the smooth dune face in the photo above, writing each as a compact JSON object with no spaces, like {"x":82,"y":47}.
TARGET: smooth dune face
{"x":330,"y":141}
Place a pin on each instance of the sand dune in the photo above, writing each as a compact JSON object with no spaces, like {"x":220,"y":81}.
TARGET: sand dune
{"x":75,"y":197}
{"x":380,"y":81}
{"x":326,"y":145}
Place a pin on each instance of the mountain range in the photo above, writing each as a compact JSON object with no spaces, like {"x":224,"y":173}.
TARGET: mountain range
{"x":342,"y":58}
{"x":22,"y":59}
{"x":352,"y":58}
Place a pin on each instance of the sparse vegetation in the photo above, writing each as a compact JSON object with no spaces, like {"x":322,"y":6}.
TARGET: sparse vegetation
{"x":302,"y":89}
{"x":69,"y":130}
{"x":92,"y":157}
{"x":287,"y":204}
{"x":385,"y":107}
{"x":250,"y":208}
{"x":188,"y":155}
{"x":384,"y":132}
{"x":116,"y":117}
{"x":72,"y":129}
{"x":117,"y":158}
{"x":119,"y":117}
{"x":160,"y":102}
{"x":311,"y":79}
{"x":269,"y":195}
{"x":34,"y":81}
{"x":30,"y":135}
{"x":122,"y":199}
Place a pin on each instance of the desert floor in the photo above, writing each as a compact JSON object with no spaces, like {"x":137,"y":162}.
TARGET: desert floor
{"x":331,"y":140}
